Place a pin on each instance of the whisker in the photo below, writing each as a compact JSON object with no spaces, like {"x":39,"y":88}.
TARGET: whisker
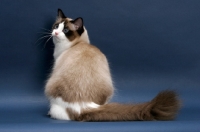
{"x":42,"y":38}
{"x":46,"y":29}
{"x":45,"y":36}
{"x":47,"y":41}
{"x":44,"y":32}
{"x":48,"y":35}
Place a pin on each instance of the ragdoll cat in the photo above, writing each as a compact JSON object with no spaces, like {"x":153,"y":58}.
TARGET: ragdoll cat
{"x":80,"y":84}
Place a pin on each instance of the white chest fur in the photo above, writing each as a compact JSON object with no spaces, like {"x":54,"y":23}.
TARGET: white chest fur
{"x":61,"y":42}
{"x":60,"y":47}
{"x":58,"y":108}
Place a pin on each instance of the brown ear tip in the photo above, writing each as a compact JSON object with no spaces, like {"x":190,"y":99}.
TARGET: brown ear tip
{"x":79,"y":18}
{"x":78,"y":21}
{"x":61,"y":14}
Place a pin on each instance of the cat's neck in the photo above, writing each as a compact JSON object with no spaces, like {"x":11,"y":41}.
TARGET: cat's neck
{"x":63,"y":45}
{"x":60,"y":46}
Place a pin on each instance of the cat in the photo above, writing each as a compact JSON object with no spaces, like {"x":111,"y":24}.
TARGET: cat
{"x":80,"y":84}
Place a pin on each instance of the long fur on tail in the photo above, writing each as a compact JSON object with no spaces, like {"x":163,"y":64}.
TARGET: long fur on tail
{"x":163,"y":107}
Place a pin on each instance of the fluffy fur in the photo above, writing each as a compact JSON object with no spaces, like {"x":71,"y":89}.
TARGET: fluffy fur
{"x":80,"y":84}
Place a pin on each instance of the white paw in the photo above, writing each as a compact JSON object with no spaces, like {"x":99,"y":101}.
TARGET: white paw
{"x":58,"y":112}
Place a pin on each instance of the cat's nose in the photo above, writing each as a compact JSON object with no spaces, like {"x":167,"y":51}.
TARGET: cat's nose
{"x":56,"y":33}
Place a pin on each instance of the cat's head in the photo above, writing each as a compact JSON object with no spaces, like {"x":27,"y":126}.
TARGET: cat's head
{"x":68,"y":30}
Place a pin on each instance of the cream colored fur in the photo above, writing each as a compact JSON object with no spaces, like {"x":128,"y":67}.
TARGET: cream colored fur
{"x":80,"y":84}
{"x":66,"y":57}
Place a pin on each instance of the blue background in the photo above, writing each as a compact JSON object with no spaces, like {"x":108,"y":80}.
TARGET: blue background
{"x":151,"y":46}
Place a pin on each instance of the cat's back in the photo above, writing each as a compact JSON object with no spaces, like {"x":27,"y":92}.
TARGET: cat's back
{"x":82,"y":56}
{"x":84,"y":68}
{"x":85,"y":50}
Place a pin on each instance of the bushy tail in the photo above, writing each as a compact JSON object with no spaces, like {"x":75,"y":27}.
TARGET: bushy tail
{"x":163,"y":107}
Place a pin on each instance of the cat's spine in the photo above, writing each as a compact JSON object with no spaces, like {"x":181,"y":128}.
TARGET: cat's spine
{"x":163,"y":107}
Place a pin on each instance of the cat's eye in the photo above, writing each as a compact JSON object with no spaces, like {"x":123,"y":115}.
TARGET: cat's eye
{"x":65,"y":30}
{"x":56,"y":26}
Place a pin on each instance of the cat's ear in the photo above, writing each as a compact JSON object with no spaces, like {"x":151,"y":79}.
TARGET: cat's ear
{"x":77,"y":24}
{"x":61,"y":14}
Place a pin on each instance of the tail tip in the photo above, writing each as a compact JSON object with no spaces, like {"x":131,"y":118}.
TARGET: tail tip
{"x":165,"y":105}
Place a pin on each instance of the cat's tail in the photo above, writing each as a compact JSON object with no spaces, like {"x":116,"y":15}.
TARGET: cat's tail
{"x":163,"y":107}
